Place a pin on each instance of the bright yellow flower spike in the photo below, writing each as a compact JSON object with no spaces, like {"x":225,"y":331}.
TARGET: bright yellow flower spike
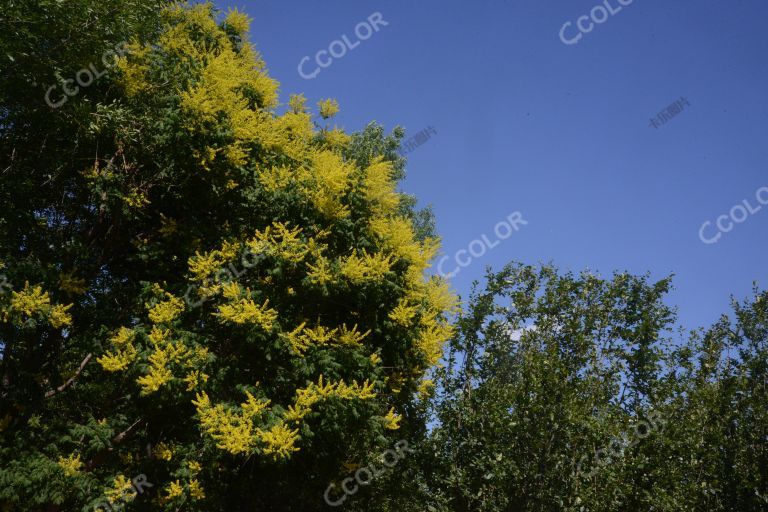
{"x":71,"y":465}
{"x":174,"y":490}
{"x":122,"y":490}
{"x":280,"y":241}
{"x":196,"y":490}
{"x":232,"y":431}
{"x":366,"y":268}
{"x":392,"y":420}
{"x":314,"y":393}
{"x":33,"y":301}
{"x":246,"y":311}
{"x":403,"y":313}
{"x":379,"y":187}
{"x":118,"y":360}
{"x":279,"y":440}
{"x":163,"y":452}
{"x":328,"y":108}
{"x":167,"y":310}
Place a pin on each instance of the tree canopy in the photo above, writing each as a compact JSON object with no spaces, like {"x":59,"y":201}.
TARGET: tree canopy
{"x":209,"y":288}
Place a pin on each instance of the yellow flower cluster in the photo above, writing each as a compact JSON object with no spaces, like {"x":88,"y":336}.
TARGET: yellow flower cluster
{"x":196,"y":490}
{"x":435,"y":299}
{"x":71,"y":284}
{"x":246,"y":311}
{"x":433,"y":334}
{"x":280,"y":241}
{"x":276,"y":178}
{"x":397,"y":236}
{"x":122,"y":490}
{"x":32,"y":301}
{"x":166,"y":311}
{"x":336,"y":138}
{"x":392,"y":420}
{"x":238,"y":21}
{"x":173,"y":490}
{"x":279,"y":441}
{"x":194,"y":379}
{"x":166,"y":354}
{"x":163,"y":452}
{"x":426,"y":388}
{"x":330,"y":179}
{"x":232,"y":431}
{"x":235,"y":432}
{"x":302,"y":338}
{"x":124,"y":354}
{"x":366,"y":268}
{"x":403,"y":313}
{"x":379,"y":187}
{"x":71,"y":465}
{"x":232,"y":76}
{"x":204,"y":267}
{"x":328,"y":108}
{"x":314,"y":393}
{"x":321,"y":272}
{"x":176,"y":488}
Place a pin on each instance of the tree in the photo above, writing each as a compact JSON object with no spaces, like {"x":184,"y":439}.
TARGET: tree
{"x":208,"y":289}
{"x":566,"y":392}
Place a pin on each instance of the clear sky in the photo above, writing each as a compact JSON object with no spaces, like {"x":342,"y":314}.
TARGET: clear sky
{"x":560,"y":132}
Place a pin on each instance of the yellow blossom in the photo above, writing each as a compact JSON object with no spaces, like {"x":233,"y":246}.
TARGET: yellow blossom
{"x":30,"y":300}
{"x":118,"y":360}
{"x":320,"y":273}
{"x":59,"y":317}
{"x":365,"y":268}
{"x":403,"y":313}
{"x":328,"y":108}
{"x":426,"y":388}
{"x":253,"y":406}
{"x":379,"y":187}
{"x":71,"y":464}
{"x":196,"y":490}
{"x":163,"y":452}
{"x":279,"y":440}
{"x":238,"y":21}
{"x":122,"y":490}
{"x":174,"y":490}
{"x":167,"y":310}
{"x":246,"y":311}
{"x":392,"y":420}
{"x":194,"y":379}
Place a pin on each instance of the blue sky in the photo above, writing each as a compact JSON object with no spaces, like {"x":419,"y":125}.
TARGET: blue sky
{"x":561,"y":133}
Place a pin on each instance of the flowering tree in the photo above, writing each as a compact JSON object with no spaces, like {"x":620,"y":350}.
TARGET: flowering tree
{"x":219,"y":295}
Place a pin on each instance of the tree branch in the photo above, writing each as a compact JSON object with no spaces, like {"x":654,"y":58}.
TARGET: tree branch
{"x":69,"y":382}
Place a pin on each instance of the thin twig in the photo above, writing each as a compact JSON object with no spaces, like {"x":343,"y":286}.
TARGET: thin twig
{"x":69,"y":382}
